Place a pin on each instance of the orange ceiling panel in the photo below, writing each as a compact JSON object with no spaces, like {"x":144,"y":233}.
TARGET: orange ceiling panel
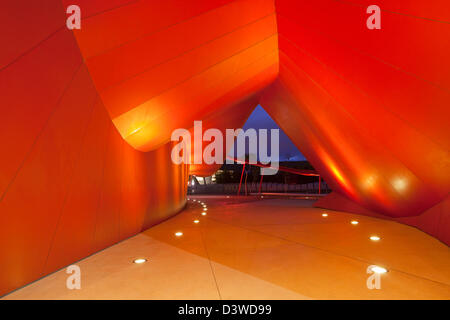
{"x":157,"y":118}
{"x":245,"y":44}
{"x":111,"y":26}
{"x":147,"y":52}
{"x":146,"y":72}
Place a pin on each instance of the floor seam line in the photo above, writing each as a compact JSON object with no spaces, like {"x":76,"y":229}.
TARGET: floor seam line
{"x":210,"y":264}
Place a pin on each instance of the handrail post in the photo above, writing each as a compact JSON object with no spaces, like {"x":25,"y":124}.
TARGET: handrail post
{"x":260,"y":183}
{"x":240,"y":182}
{"x":319,"y":183}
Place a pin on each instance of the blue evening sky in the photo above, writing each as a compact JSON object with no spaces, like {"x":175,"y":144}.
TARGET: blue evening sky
{"x":260,"y":119}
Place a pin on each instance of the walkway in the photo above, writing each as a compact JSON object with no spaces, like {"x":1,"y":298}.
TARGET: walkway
{"x":256,"y":248}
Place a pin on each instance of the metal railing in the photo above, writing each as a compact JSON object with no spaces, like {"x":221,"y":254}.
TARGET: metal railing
{"x":254,"y":187}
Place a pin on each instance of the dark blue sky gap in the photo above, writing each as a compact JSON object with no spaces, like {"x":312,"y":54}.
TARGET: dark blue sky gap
{"x":260,"y":119}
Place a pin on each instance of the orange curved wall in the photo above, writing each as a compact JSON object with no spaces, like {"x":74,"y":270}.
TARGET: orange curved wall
{"x":69,"y":184}
{"x":369,"y":108}
{"x":86,"y":115}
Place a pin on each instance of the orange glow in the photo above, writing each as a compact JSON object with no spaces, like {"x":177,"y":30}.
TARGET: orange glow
{"x":370,"y":181}
{"x":400,"y":184}
{"x":134,"y":131}
{"x":337,"y":174}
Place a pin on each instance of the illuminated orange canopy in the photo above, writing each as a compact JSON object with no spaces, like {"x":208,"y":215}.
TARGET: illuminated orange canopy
{"x":87,"y":115}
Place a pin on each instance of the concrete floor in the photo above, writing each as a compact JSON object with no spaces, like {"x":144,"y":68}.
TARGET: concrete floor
{"x":260,"y":249}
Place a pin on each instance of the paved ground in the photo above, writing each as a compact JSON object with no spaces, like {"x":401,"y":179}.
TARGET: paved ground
{"x":260,"y":249}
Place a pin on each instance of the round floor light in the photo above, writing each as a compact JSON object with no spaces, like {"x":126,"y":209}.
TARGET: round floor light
{"x":375,"y":238}
{"x":378,"y":269}
{"x":178,"y":234}
{"x":354,"y":222}
{"x":139,"y":260}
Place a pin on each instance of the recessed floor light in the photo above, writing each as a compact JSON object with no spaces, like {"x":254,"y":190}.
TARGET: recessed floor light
{"x":178,"y":234}
{"x":374,"y":238}
{"x":378,"y":269}
{"x":205,"y":209}
{"x":324,"y":214}
{"x":196,"y":221}
{"x":139,"y":260}
{"x":203,"y":213}
{"x":354,"y":222}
